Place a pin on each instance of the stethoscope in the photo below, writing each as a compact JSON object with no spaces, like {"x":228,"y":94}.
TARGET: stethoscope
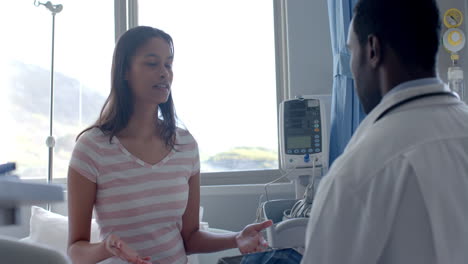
{"x":411,"y":99}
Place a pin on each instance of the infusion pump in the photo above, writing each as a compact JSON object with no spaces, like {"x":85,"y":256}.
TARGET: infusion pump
{"x":304,"y":126}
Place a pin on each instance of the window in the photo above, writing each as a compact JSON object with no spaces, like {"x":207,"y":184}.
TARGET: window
{"x":84,"y":42}
{"x":224,"y":86}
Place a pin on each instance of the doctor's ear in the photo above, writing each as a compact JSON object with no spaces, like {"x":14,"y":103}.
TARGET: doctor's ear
{"x":374,"y":51}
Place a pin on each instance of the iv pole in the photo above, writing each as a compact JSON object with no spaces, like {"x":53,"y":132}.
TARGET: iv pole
{"x":50,"y":141}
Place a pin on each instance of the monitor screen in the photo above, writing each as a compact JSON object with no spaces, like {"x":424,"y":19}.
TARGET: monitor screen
{"x":297,"y":142}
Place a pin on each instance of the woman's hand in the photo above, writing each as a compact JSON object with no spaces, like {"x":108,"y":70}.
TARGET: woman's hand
{"x":251,"y":240}
{"x":120,"y":249}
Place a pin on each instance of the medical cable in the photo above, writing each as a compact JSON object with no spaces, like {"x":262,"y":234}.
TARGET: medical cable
{"x":276,"y":180}
{"x":260,"y":207}
{"x":303,"y":207}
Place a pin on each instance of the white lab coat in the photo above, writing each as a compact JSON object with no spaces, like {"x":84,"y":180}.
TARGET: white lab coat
{"x":399,"y":192}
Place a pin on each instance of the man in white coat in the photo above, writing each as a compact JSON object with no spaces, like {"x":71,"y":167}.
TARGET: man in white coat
{"x":399,"y":192}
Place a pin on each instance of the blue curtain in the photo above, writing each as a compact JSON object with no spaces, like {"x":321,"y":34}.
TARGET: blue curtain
{"x":346,"y":110}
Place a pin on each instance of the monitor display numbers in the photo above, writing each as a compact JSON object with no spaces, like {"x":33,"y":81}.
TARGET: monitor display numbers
{"x":302,"y":127}
{"x":298,"y":142}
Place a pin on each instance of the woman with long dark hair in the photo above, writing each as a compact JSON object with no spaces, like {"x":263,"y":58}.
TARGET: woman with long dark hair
{"x":139,"y":171}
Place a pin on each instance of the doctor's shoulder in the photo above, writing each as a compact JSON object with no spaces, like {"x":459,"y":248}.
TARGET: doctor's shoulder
{"x":360,"y":163}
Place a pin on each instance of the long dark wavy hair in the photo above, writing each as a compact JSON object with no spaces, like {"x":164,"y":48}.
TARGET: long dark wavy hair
{"x":118,"y":107}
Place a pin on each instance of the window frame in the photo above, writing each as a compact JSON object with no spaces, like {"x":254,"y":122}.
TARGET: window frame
{"x":126,"y":17}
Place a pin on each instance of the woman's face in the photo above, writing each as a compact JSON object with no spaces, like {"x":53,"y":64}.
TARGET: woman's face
{"x":150,"y":72}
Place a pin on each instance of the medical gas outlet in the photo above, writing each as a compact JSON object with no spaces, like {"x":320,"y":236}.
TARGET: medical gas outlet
{"x":454,"y":41}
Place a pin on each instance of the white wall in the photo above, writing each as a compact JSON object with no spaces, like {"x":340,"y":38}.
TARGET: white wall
{"x":310,"y":55}
{"x":233,"y":207}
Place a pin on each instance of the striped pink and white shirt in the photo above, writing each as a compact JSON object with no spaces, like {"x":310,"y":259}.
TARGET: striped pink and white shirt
{"x":141,"y":203}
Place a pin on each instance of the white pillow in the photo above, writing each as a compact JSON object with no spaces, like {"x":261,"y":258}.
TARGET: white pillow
{"x":51,"y":229}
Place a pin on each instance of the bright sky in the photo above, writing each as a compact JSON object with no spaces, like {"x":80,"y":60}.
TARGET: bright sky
{"x":84,"y":38}
{"x":224,"y":68}
{"x":224,"y":85}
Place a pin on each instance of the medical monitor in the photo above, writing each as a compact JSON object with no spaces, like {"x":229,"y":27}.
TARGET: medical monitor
{"x":304,"y":125}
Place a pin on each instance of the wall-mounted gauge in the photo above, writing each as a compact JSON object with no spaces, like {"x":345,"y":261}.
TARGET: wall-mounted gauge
{"x":454,"y":40}
{"x":453,"y":18}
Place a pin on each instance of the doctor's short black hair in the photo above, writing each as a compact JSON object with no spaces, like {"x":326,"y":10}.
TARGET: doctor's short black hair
{"x":410,"y":27}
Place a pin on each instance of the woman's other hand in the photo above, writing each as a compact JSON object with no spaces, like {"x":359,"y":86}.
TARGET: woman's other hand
{"x":251,"y":240}
{"x":120,"y":249}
